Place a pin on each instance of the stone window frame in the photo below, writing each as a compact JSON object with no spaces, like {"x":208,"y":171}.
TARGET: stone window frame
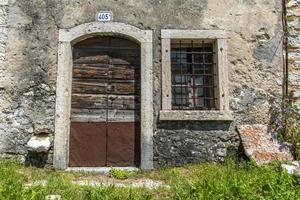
{"x":219,"y":39}
{"x":69,"y":37}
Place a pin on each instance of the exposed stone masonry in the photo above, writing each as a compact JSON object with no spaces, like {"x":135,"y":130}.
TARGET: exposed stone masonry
{"x":293,"y":23}
{"x":178,"y":143}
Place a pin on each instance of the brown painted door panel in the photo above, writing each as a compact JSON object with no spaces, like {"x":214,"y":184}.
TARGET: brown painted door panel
{"x":88,"y":144}
{"x":121,"y":144}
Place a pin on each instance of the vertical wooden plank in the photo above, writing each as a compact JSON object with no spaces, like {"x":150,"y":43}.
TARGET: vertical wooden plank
{"x":166,"y":75}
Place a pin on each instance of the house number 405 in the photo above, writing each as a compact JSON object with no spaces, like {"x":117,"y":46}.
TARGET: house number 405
{"x":105,"y":16}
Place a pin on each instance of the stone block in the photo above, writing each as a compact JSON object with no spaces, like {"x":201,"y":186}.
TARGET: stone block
{"x":293,"y":12}
{"x":296,"y":93}
{"x":294,"y":23}
{"x":3,"y":15}
{"x":294,"y":79}
{"x":295,"y":64}
{"x":39,"y":144}
{"x":262,"y":146}
{"x":53,"y":197}
{"x":294,"y":55}
{"x":293,"y":3}
{"x":292,"y":168}
{"x":3,"y":2}
{"x":294,"y":41}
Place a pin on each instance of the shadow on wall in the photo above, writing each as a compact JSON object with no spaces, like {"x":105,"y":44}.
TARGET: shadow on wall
{"x":36,"y":159}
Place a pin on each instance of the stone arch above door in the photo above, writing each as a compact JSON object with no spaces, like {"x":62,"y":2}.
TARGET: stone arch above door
{"x":68,"y":37}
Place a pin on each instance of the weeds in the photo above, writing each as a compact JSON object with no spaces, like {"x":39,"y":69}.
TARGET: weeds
{"x":119,"y":174}
{"x":285,"y":122}
{"x":203,"y":181}
{"x":239,"y":182}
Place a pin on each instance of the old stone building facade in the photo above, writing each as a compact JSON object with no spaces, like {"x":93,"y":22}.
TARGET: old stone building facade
{"x":39,"y":40}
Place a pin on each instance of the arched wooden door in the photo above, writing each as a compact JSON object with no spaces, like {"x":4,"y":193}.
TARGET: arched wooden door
{"x":105,"y":128}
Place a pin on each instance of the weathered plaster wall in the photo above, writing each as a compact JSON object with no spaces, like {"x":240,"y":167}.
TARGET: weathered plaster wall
{"x":293,"y":23}
{"x":255,"y":67}
{"x":3,"y":71}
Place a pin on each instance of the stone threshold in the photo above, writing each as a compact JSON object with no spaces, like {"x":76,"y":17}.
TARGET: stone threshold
{"x":100,"y":170}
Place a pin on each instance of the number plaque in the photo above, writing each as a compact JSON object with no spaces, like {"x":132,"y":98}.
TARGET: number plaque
{"x":105,"y":16}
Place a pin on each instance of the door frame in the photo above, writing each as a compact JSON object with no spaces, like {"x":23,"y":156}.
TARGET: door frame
{"x":69,"y":37}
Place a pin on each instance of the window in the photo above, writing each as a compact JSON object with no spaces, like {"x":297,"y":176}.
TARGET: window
{"x":192,"y":71}
{"x":194,"y":75}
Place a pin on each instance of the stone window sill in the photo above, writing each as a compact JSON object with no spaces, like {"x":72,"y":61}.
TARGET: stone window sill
{"x":180,"y":115}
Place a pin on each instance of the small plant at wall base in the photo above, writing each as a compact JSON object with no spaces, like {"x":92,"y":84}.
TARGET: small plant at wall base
{"x":285,"y":121}
{"x":119,"y":174}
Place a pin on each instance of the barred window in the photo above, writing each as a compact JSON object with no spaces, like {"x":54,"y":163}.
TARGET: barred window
{"x":194,"y":75}
{"x":192,"y":71}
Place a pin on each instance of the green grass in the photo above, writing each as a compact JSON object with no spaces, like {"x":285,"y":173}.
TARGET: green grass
{"x":204,"y":181}
{"x":119,"y":174}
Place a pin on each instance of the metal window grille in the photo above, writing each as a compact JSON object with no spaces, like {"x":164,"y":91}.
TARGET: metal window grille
{"x":192,"y":65}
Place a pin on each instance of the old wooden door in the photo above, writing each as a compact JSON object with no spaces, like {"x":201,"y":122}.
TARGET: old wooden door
{"x":105,"y":129}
